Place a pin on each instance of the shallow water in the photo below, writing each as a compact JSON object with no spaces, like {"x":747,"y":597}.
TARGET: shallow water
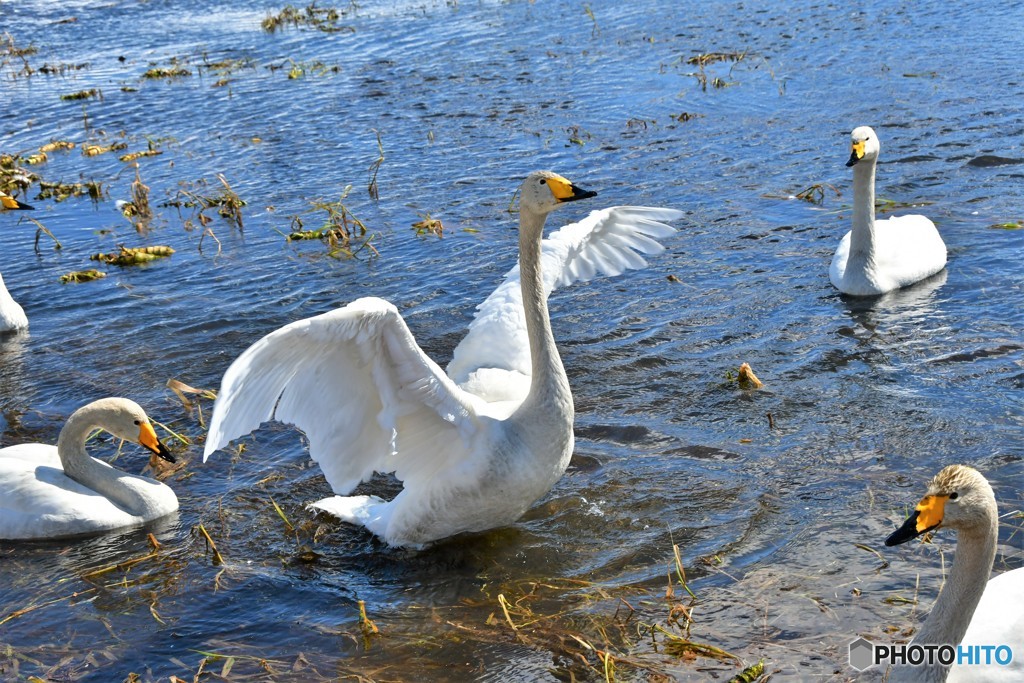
{"x":868,"y":399}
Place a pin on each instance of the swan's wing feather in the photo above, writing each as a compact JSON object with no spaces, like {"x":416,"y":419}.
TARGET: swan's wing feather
{"x":348,"y":378}
{"x":607,"y":242}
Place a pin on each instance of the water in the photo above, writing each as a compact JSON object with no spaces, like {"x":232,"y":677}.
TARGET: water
{"x":868,"y":398}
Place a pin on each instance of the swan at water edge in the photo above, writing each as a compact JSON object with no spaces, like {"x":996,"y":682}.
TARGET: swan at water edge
{"x":475,"y":447}
{"x":876,"y":257}
{"x":55,"y":491}
{"x":970,"y":609}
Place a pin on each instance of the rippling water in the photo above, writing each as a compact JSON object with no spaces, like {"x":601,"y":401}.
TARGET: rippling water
{"x":868,"y":399}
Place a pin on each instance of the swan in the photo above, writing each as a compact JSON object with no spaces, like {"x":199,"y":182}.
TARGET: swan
{"x":12,"y":315}
{"x":53,"y":492}
{"x":475,"y":447}
{"x":876,"y":257}
{"x":970,"y":609}
{"x":9,"y":203}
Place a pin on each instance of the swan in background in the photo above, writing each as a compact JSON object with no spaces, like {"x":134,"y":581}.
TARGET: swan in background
{"x":473,"y":448}
{"x":876,"y":257}
{"x":12,"y":315}
{"x":52,"y":492}
{"x":970,"y":609}
{"x":9,"y":203}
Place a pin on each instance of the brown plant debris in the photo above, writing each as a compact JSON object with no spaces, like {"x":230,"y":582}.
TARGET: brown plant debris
{"x":428,"y":225}
{"x":321,"y":18}
{"x":60,"y":191}
{"x":83,"y":95}
{"x":747,"y":379}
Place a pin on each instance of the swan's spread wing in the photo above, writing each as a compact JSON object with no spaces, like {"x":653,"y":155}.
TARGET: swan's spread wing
{"x":355,"y":381}
{"x":607,"y":242}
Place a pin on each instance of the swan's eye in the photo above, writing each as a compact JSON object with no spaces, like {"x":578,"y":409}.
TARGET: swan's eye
{"x":543,"y":181}
{"x":954,"y":495}
{"x":137,"y":422}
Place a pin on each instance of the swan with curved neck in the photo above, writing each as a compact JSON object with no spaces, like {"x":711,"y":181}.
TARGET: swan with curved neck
{"x":473,"y":448}
{"x":53,"y":492}
{"x":970,"y":609}
{"x":12,"y":315}
{"x":878,"y":256}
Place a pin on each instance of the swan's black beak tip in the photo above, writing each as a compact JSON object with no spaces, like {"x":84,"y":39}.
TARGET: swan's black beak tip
{"x":853,"y":160}
{"x":579,"y":193}
{"x":162,"y":452}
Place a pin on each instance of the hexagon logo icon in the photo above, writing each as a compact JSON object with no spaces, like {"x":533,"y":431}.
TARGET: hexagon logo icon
{"x":861,"y":652}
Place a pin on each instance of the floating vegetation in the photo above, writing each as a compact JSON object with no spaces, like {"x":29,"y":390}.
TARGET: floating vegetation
{"x":132,"y":156}
{"x":1009,"y":225}
{"x":343,"y":232}
{"x":82,"y":276}
{"x":34,"y":159}
{"x":156,"y":72}
{"x":312,"y":68}
{"x":321,"y":18}
{"x":83,"y":95}
{"x":61,"y":69}
{"x":138,"y":210}
{"x":227,"y":203}
{"x":10,"y":54}
{"x":134,"y":256}
{"x":428,"y":226}
{"x":57,"y":145}
{"x":577,"y":136}
{"x":60,"y":191}
{"x":92,"y":150}
{"x":703,"y":60}
{"x":685,"y":116}
{"x":815,"y":194}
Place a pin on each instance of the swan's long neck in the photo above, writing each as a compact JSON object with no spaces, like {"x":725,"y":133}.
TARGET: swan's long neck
{"x":549,"y":386}
{"x":83,"y":468}
{"x":862,"y":238}
{"x":972,"y":564}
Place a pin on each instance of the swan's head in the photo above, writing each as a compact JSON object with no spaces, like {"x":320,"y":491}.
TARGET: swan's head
{"x":959,"y":497}
{"x":128,"y":421}
{"x":9,"y":203}
{"x":864,"y":145}
{"x":544,"y":191}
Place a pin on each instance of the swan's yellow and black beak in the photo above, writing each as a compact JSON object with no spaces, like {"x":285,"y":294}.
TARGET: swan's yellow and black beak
{"x":856,"y":153}
{"x":12,"y":204}
{"x":147,"y":438}
{"x":927,"y":516}
{"x":566,"y":191}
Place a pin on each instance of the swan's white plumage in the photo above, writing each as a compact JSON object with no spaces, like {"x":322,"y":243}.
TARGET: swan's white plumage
{"x":878,"y":256}
{"x":471,"y":450}
{"x":493,"y":359}
{"x":12,"y":315}
{"x":38,"y":498}
{"x":970,"y":608}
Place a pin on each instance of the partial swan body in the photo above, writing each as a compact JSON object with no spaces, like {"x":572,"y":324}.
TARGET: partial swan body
{"x":12,"y":315}
{"x":475,"y":447}
{"x":876,"y":257}
{"x":970,"y":609}
{"x":58,"y":491}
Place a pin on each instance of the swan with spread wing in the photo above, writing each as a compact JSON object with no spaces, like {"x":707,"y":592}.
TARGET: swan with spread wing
{"x":473,"y":447}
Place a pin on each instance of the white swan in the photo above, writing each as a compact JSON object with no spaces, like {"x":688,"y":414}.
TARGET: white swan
{"x":52,"y":492}
{"x":12,"y":315}
{"x":474,"y":448}
{"x":8,"y":203}
{"x":876,"y":257}
{"x":970,"y":609}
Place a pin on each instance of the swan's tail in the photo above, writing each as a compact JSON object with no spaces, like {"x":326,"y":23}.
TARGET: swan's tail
{"x":367,"y":511}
